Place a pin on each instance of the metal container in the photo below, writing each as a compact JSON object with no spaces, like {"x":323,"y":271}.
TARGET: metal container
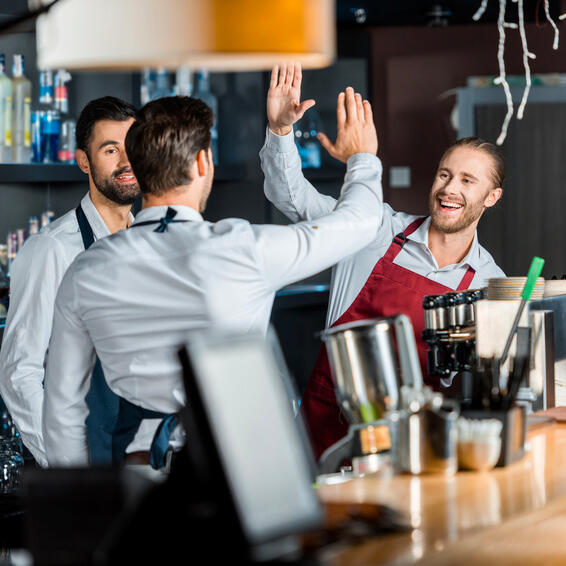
{"x":436,"y":316}
{"x":364,"y":363}
{"x":425,"y":441}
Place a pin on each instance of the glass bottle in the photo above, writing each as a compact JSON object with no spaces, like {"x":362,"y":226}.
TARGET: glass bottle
{"x":183,"y":82}
{"x":206,"y":95}
{"x":21,"y":113}
{"x":5,"y":110}
{"x":162,"y":87}
{"x":306,"y":130}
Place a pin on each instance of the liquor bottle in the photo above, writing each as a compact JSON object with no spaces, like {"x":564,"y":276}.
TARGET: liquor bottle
{"x":46,"y":93}
{"x":147,"y":86}
{"x":5,"y":114}
{"x":62,"y":77}
{"x":204,"y":93}
{"x":21,"y":113}
{"x":308,"y":145}
{"x":162,"y":87}
{"x":183,"y":82}
{"x":67,"y":144}
{"x":33,"y":225}
{"x":12,"y":244}
{"x":47,"y":217}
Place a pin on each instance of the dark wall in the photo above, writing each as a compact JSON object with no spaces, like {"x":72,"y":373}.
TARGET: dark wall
{"x":413,"y":68}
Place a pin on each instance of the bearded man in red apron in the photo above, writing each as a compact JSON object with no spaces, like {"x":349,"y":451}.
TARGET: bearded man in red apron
{"x":411,"y":257}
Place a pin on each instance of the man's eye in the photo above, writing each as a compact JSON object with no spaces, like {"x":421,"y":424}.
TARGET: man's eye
{"x":110,"y":150}
{"x":443,"y":175}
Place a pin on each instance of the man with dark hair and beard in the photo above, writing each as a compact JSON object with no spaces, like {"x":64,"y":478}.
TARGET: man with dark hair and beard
{"x":411,"y":257}
{"x":39,"y":268}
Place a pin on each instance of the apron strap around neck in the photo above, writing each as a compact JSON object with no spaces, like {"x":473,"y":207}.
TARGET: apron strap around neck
{"x":85,"y":228}
{"x":400,"y":239}
{"x":467,"y":279}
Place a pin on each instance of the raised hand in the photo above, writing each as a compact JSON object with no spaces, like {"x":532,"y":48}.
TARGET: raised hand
{"x":284,"y":106}
{"x":356,"y":130}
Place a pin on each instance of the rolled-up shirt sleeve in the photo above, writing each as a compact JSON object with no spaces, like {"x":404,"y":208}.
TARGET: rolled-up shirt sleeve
{"x":67,"y":381}
{"x":290,"y":253}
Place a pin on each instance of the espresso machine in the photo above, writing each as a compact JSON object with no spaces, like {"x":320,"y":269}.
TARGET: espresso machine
{"x":377,"y":375}
{"x":464,"y":330}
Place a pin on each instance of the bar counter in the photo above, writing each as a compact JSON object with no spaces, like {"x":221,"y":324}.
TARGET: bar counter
{"x":513,"y":515}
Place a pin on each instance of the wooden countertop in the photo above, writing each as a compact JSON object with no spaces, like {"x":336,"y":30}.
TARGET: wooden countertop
{"x":513,"y":515}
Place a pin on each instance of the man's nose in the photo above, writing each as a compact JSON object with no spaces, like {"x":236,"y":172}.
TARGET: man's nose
{"x":451,"y":186}
{"x":123,"y":161}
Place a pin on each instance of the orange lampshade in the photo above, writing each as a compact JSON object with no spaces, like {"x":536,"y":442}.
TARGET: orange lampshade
{"x":221,"y":35}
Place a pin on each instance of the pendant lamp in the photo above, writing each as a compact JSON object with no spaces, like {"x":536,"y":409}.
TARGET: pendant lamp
{"x":220,"y":35}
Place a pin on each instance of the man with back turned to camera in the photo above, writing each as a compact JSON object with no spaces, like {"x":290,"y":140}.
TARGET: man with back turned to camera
{"x":135,"y":297}
{"x":411,"y":257}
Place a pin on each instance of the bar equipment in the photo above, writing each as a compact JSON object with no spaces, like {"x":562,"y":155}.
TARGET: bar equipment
{"x":424,"y":436}
{"x":365,"y":357}
{"x":503,"y":351}
{"x":450,"y":331}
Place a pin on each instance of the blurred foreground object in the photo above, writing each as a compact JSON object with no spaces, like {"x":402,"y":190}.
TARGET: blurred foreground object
{"x":221,"y":35}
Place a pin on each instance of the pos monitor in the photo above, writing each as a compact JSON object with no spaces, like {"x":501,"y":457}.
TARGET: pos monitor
{"x":247,"y":450}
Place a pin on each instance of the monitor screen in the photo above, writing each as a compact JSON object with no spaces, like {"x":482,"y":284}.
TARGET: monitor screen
{"x":259,"y":440}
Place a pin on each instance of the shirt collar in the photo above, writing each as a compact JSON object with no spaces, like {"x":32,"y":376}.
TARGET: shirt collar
{"x":472,"y":258}
{"x":97,"y":224}
{"x":158,"y":212}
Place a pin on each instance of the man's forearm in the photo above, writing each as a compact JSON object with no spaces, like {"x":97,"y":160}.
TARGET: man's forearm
{"x":285,"y":186}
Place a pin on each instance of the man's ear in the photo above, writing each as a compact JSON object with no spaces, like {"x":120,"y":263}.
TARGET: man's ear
{"x":82,"y":161}
{"x":202,"y":162}
{"x":493,"y":196}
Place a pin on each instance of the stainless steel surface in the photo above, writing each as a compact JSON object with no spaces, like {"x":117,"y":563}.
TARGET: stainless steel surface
{"x":425,"y":441}
{"x":436,"y":318}
{"x":371,"y":463}
{"x":364,"y":365}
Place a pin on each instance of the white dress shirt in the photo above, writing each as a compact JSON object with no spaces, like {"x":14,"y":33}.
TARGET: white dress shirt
{"x":286,"y":187}
{"x":36,"y":274}
{"x":135,"y":297}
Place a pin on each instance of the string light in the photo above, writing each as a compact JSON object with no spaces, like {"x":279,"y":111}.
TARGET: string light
{"x":501,"y":79}
{"x":548,"y":17}
{"x":480,"y":10}
{"x":526,"y":56}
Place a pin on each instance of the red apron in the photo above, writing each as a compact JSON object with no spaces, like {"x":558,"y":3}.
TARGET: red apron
{"x":390,"y":290}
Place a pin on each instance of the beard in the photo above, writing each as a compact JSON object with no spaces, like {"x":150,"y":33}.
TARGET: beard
{"x":112,"y":189}
{"x":468,"y":215}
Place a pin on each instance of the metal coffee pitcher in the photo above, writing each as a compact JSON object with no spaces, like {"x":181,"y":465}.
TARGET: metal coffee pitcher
{"x":365,"y":357}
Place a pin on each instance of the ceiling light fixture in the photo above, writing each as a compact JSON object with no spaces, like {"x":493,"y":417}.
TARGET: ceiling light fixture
{"x":221,"y":35}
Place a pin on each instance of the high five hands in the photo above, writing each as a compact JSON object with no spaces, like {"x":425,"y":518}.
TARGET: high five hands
{"x":356,"y":130}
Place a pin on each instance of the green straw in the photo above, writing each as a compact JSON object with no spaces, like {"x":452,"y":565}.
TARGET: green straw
{"x":534,"y":273}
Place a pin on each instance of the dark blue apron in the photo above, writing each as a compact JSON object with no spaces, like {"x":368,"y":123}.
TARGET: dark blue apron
{"x":113,"y":421}
{"x":103,"y":404}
